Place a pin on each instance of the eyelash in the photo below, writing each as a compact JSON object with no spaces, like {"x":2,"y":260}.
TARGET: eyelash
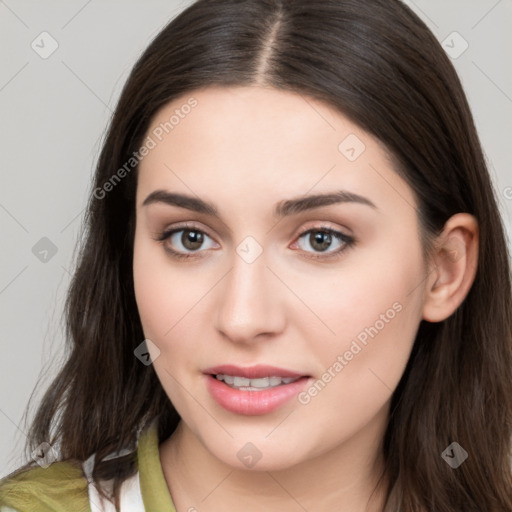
{"x":348,"y":242}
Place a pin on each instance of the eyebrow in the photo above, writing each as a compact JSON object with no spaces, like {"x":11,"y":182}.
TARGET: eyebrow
{"x":282,"y":209}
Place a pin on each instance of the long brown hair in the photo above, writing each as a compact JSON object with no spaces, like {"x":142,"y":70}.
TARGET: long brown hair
{"x":377,"y":63}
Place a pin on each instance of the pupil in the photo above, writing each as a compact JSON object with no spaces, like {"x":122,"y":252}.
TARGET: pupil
{"x":321,"y":238}
{"x":192,"y":239}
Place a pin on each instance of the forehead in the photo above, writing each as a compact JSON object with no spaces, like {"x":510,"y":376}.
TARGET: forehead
{"x":260,"y":142}
{"x":240,"y":121}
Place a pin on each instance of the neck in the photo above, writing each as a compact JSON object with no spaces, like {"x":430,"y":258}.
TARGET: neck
{"x":343,"y":479}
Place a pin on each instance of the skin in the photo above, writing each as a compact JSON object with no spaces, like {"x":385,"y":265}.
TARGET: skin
{"x":246,"y":149}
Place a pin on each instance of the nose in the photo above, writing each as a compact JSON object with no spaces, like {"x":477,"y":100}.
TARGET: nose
{"x":250,"y":303}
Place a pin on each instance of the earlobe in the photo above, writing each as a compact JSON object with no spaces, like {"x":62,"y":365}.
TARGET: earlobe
{"x":454,"y":264}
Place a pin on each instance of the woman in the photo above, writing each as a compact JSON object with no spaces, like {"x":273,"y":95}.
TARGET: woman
{"x":294,"y":286}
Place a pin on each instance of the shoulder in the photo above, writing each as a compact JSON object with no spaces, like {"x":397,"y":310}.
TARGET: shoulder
{"x":60,"y":487}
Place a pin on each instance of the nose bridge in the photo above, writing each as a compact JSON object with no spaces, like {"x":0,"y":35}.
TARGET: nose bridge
{"x":249,"y":303}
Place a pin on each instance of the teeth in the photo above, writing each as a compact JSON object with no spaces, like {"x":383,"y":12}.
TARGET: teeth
{"x":238,"y":381}
{"x":229,"y":380}
{"x":275,"y":381}
{"x":263,"y":382}
{"x":246,"y":384}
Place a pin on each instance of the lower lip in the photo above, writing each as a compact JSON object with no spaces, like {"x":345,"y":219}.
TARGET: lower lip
{"x":252,"y":403}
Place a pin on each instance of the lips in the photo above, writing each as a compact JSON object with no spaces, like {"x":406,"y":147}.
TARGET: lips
{"x":253,"y":372}
{"x":253,"y":400}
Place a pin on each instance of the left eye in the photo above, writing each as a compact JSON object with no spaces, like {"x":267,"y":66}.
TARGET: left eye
{"x":320,"y":240}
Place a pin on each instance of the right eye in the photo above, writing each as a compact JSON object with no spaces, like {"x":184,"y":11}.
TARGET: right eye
{"x":185,"y":242}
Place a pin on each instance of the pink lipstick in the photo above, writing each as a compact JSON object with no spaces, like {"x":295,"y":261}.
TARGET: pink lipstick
{"x":254,"y":390}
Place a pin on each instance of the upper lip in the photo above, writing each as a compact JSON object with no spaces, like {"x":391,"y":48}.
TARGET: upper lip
{"x":252,"y":372}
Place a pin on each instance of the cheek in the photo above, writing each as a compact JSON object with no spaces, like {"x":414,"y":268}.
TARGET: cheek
{"x":362,"y":295}
{"x":164,"y":293}
{"x":151,"y":290}
{"x":374,"y":311}
{"x":359,"y":376}
{"x":165,"y":298}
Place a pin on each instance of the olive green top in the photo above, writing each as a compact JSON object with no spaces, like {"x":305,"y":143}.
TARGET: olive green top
{"x":63,"y":486}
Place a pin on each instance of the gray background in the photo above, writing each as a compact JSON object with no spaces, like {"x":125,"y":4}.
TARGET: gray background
{"x":53,"y":115}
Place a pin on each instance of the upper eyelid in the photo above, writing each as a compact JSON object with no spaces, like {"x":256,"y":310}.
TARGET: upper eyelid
{"x":324,"y":226}
{"x":173,"y":229}
{"x":300,"y":232}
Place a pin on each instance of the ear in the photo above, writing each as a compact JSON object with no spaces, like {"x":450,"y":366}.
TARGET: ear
{"x":454,"y":264}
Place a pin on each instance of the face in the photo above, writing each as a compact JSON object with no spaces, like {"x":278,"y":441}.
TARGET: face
{"x":245,"y":273}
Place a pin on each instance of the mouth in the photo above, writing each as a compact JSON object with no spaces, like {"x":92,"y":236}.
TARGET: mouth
{"x":253,"y":390}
